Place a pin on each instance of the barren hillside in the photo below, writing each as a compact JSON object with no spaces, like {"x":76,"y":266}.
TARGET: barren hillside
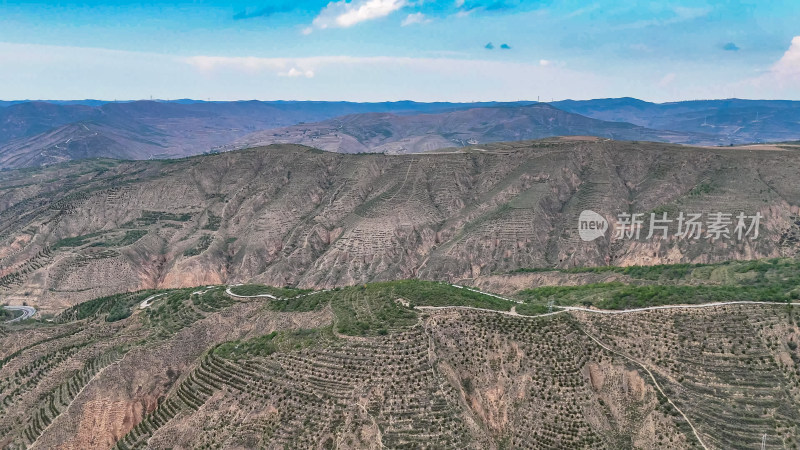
{"x":291,"y":215}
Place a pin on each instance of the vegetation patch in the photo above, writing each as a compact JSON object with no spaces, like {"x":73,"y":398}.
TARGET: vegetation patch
{"x":213,"y":222}
{"x":6,"y":315}
{"x":275,"y":341}
{"x":363,"y":310}
{"x":379,"y":308}
{"x":656,"y":272}
{"x":128,"y":238}
{"x":430,"y":293}
{"x":212,"y":300}
{"x":152,"y":217}
{"x":76,"y":241}
{"x":774,"y":280}
{"x":114,"y":307}
{"x":530,"y":309}
{"x":259,"y":289}
{"x":202,"y":245}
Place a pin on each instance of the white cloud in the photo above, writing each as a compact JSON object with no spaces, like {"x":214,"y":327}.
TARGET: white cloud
{"x":411,"y":19}
{"x":344,"y":14}
{"x":783,"y":75}
{"x":545,"y":62}
{"x":244,"y":64}
{"x":666,"y":80}
{"x":787,"y":69}
{"x":294,"y":72}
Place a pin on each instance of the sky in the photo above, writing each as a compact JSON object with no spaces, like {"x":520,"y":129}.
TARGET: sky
{"x":386,"y":50}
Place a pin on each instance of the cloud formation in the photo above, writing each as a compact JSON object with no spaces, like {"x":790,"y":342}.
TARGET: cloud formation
{"x":779,"y":79}
{"x":344,"y":14}
{"x":294,"y":72}
{"x":415,"y":18}
{"x":787,"y":69}
{"x":667,"y":80}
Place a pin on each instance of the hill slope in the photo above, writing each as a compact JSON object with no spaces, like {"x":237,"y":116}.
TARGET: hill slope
{"x":293,"y":215}
{"x":424,"y":132}
{"x":356,"y":368}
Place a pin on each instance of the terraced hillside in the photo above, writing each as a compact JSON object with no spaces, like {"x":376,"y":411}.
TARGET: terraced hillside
{"x":291,"y":215}
{"x":371,"y":366}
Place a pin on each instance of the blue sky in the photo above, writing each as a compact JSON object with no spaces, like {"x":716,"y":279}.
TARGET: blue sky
{"x":426,"y":50}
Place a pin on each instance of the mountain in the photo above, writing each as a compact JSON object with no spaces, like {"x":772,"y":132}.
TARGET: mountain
{"x":287,"y":297}
{"x":732,"y":121}
{"x":389,"y":133}
{"x":407,"y":364}
{"x":40,"y":133}
{"x":293,"y":215}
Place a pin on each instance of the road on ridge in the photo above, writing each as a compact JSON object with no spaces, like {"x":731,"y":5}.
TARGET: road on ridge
{"x":27,"y":312}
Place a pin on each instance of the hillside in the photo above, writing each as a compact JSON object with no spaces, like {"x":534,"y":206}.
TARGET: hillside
{"x":395,"y":134}
{"x":40,"y":133}
{"x":732,"y":121}
{"x":370,"y":367}
{"x":291,"y":215}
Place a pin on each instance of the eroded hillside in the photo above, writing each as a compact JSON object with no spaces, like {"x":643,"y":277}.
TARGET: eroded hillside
{"x":291,"y":215}
{"x":370,"y":367}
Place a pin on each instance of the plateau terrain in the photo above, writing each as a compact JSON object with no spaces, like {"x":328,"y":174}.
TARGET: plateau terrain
{"x":293,"y":215}
{"x":405,"y":364}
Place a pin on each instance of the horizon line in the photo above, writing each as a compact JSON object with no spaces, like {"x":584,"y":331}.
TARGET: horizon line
{"x":164,"y":100}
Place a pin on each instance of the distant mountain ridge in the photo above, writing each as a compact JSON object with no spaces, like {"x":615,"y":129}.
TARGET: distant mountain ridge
{"x":393,"y":134}
{"x":733,"y":121}
{"x":156,"y":129}
{"x":42,"y":132}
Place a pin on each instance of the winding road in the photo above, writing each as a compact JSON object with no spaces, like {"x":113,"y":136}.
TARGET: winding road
{"x":27,"y":312}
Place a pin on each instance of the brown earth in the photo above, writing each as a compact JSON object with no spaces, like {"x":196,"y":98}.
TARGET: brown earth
{"x":290,"y":215}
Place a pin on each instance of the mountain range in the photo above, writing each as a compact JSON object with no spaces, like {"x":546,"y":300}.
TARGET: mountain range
{"x":295,"y":215}
{"x":393,"y":134}
{"x":41,"y":133}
